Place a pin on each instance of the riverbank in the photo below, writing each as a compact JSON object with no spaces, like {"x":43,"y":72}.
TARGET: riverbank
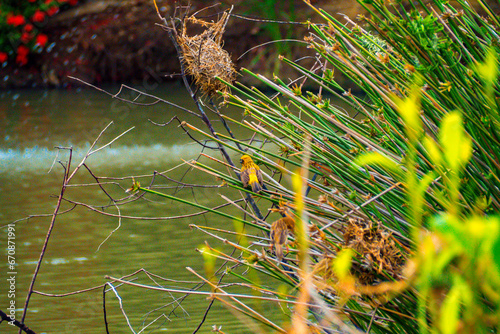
{"x":111,"y":41}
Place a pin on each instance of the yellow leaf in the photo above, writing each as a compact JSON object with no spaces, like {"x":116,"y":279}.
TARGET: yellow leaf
{"x":450,"y":310}
{"x":297,"y":187}
{"x":409,"y":109}
{"x":482,"y":230}
{"x":376,"y":158}
{"x":432,"y":150}
{"x":342,"y":264}
{"x":488,"y":70}
{"x":240,"y":229}
{"x":456,"y":145}
{"x":424,"y":183}
{"x":209,"y":257}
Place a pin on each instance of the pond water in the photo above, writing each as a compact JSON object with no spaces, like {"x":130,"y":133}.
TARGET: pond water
{"x":32,"y":123}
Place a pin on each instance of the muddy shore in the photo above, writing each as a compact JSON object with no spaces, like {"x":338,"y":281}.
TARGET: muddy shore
{"x":110,"y":41}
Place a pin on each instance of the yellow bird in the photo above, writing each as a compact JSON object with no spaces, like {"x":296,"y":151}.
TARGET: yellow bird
{"x":251,"y":175}
{"x":279,"y":234}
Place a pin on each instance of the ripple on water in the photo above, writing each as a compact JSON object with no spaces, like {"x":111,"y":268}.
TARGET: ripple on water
{"x":39,"y":159}
{"x":58,"y":261}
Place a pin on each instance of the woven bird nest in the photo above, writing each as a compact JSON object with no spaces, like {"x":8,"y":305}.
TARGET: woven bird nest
{"x":204,"y":58}
{"x":377,"y":248}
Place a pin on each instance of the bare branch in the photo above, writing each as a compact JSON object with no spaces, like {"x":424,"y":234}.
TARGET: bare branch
{"x":115,"y":96}
{"x":22,"y":327}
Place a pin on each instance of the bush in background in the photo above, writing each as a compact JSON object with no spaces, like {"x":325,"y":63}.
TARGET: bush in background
{"x":20,"y":25}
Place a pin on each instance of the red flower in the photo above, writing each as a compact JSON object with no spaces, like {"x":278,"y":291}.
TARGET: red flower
{"x":23,"y":50}
{"x":41,"y":40}
{"x":52,"y":10}
{"x":72,"y":2}
{"x":62,"y":1}
{"x":25,"y":37}
{"x":15,"y":20}
{"x":47,"y":2}
{"x":31,"y":0}
{"x":3,"y":57}
{"x":22,"y":53}
{"x":28,"y":27}
{"x":21,"y":59}
{"x":39,"y":16}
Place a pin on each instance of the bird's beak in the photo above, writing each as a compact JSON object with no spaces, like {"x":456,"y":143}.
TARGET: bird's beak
{"x":241,"y":161}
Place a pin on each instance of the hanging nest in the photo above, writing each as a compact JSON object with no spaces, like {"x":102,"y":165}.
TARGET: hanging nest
{"x":203,"y":55}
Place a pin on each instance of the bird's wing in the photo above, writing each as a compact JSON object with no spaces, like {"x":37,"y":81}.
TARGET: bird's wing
{"x":245,"y":176}
{"x":282,"y":237}
{"x":279,"y":232}
{"x":272,"y":234}
{"x":259,"y":176}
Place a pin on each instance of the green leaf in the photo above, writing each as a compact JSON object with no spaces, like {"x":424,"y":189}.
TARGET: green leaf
{"x":135,"y":187}
{"x":456,"y":145}
{"x":446,"y":224}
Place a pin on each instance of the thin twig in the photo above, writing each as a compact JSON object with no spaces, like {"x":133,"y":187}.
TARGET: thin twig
{"x":115,"y":96}
{"x":47,"y":237}
{"x":104,"y":307}
{"x":361,"y":206}
{"x":121,"y":306}
{"x":22,"y":327}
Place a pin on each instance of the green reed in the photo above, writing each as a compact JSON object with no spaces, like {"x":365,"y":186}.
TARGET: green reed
{"x":417,"y":161}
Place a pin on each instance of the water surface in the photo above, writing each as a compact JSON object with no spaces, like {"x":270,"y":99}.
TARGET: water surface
{"x":32,"y":124}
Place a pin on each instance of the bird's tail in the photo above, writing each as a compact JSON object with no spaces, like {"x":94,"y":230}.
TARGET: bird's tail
{"x":278,"y":250}
{"x":256,"y":187}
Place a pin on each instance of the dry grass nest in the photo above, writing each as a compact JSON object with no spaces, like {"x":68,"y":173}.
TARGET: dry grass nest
{"x":376,"y":248}
{"x":204,"y":58}
{"x":377,"y":256}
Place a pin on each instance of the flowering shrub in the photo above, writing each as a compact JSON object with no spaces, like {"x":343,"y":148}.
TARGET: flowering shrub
{"x":20,"y":24}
